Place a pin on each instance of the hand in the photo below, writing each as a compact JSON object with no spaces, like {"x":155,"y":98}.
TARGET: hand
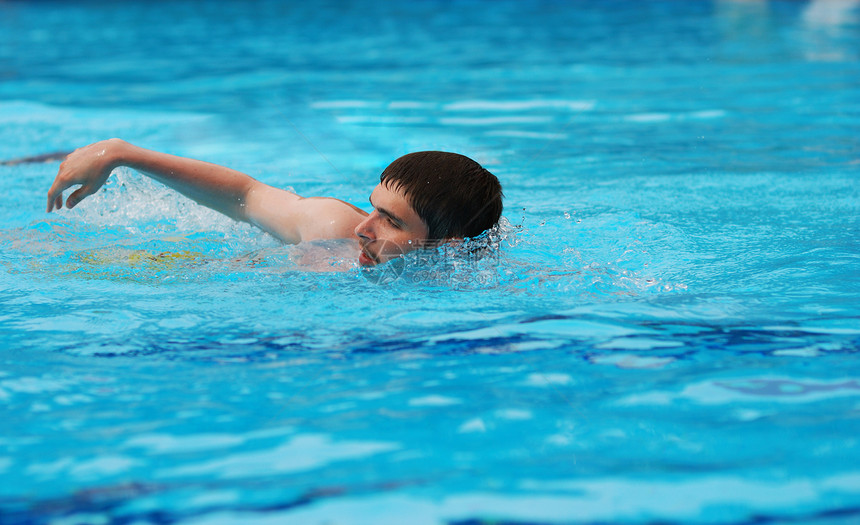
{"x":89,"y":166}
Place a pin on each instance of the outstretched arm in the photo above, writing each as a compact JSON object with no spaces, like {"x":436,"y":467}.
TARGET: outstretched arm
{"x":284,"y":214}
{"x":217,"y":187}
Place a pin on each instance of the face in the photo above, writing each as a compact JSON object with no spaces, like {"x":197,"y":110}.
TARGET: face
{"x":392,"y":228}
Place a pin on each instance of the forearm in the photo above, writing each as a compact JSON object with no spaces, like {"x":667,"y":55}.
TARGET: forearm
{"x":217,"y":187}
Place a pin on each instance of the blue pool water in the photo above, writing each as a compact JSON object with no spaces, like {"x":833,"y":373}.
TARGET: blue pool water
{"x":668,"y":330}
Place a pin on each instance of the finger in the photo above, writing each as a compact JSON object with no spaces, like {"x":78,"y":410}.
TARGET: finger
{"x":55,"y":200}
{"x":55,"y":194}
{"x":77,"y":196}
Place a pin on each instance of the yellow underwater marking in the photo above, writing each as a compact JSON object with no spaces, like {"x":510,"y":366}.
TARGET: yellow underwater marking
{"x":140,"y":258}
{"x":135,"y":265}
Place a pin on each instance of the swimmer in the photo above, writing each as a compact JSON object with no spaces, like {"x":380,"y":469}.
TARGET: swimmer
{"x":423,"y":199}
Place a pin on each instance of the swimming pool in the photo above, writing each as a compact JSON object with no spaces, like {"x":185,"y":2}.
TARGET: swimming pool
{"x":668,"y":331}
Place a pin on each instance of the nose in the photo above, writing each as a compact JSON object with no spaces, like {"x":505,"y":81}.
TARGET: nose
{"x":364,"y":230}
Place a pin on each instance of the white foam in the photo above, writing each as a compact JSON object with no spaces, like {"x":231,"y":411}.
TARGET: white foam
{"x":409,"y":104}
{"x":632,"y":361}
{"x":638,"y":343}
{"x":98,"y":468}
{"x":663,"y":117}
{"x":527,"y":135}
{"x":301,"y":453}
{"x":90,"y":469}
{"x":472,"y":425}
{"x":648,"y":117}
{"x":168,"y":444}
{"x":817,"y":329}
{"x":807,"y":351}
{"x":345,"y":104}
{"x":548,"y":379}
{"x":433,"y":401}
{"x":577,"y":328}
{"x":519,"y":105}
{"x":514,"y":414}
{"x":379,"y":119}
{"x":751,"y":390}
{"x":493,"y":121}
{"x":708,"y":113}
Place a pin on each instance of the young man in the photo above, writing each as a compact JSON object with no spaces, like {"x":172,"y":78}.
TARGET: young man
{"x":423,"y":199}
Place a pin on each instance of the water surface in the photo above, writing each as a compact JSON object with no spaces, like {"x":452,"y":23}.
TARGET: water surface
{"x":667,"y":331}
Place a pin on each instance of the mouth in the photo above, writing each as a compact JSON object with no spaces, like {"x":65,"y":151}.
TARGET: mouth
{"x":365,"y":259}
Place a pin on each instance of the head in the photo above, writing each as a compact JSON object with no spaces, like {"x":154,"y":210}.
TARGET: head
{"x":427,"y":198}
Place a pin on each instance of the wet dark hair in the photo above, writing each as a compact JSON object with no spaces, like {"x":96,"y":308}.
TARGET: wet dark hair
{"x":454,"y":195}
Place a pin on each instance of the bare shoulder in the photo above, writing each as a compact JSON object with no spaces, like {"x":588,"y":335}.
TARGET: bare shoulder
{"x":293,"y":219}
{"x":329,"y":218}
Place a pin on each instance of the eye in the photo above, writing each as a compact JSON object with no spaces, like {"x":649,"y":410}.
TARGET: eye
{"x":392,"y":222}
